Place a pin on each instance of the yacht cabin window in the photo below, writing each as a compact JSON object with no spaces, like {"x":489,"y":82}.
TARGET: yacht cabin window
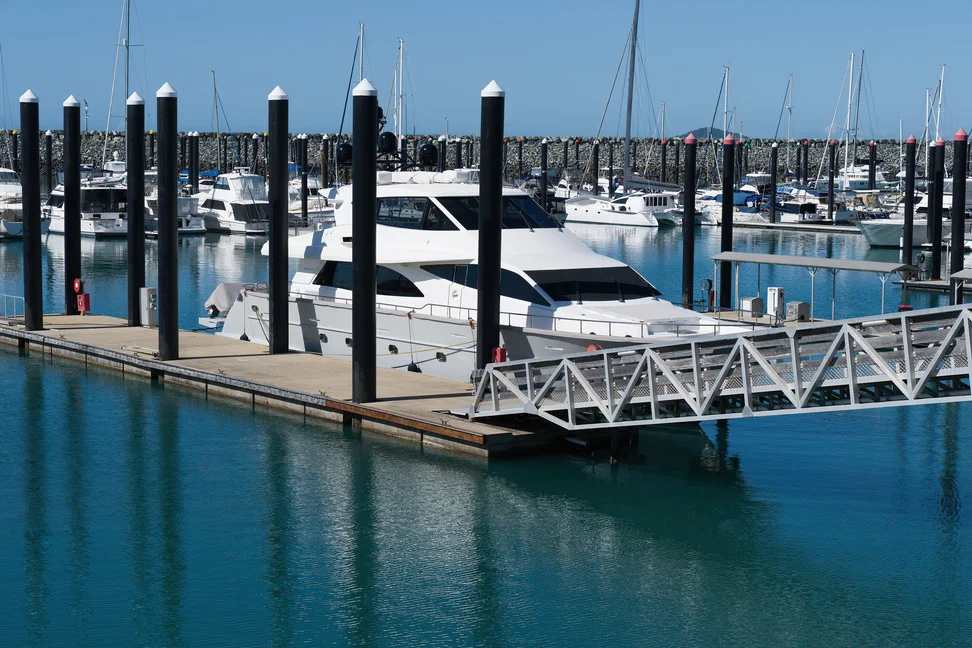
{"x":593,"y":284}
{"x":209,"y":203}
{"x":55,"y":200}
{"x":221,"y":183}
{"x":340,"y":274}
{"x":104,"y":200}
{"x":512,"y":285}
{"x":7,"y":177}
{"x":413,"y":213}
{"x":519,"y":212}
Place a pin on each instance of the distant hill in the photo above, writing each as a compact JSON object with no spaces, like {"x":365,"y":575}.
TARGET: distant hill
{"x":702,"y":133}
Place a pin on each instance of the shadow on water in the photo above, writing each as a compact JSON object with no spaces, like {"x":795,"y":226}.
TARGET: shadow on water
{"x":36,"y":529}
{"x":77,"y":503}
{"x":364,"y":563}
{"x":140,"y":526}
{"x":172,"y":561}
{"x":280,"y":527}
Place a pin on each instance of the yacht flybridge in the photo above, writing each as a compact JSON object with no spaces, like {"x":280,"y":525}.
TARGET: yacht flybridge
{"x":236,"y":203}
{"x":556,"y":293}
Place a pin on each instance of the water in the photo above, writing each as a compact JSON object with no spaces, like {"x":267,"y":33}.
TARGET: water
{"x":136,"y":515}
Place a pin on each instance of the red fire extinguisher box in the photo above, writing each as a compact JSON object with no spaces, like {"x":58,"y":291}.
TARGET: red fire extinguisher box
{"x":499,"y":354}
{"x":84,"y":303}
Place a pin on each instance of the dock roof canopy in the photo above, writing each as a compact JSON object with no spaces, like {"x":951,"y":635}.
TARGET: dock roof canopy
{"x":878,"y":267}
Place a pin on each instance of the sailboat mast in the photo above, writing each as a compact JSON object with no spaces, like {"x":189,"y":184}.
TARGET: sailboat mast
{"x":850,"y":103}
{"x":789,"y":117}
{"x":725,"y":106}
{"x":360,"y":51}
{"x":401,"y":78}
{"x":857,"y":109}
{"x":215,"y":101}
{"x":128,"y":36}
{"x":663,"y":121}
{"x":627,"y":121}
{"x":925,"y":137}
{"x":941,"y":92}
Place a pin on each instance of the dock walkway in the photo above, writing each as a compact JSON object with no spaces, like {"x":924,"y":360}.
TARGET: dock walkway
{"x":411,"y":405}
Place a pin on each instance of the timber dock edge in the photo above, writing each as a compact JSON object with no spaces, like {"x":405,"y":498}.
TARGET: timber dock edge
{"x":439,"y":430}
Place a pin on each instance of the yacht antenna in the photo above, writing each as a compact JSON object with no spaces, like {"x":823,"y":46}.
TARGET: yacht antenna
{"x":627,"y":122}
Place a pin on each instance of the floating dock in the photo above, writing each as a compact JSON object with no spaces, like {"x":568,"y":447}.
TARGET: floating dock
{"x":800,"y":227}
{"x":411,"y":406}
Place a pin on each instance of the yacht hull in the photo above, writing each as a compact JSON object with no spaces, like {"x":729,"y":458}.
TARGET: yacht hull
{"x":93,"y":227}
{"x":887,"y":233}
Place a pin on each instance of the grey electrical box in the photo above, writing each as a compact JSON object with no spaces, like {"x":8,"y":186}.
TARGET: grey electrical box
{"x":148,"y":307}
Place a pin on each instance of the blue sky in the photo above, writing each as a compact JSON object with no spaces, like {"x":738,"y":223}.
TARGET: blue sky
{"x":556,"y":60}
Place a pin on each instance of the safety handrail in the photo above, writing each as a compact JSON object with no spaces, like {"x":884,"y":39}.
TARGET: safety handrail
{"x":11,"y":310}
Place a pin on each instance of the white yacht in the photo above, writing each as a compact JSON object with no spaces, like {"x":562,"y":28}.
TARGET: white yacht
{"x":104,"y":210}
{"x":319,"y":209}
{"x":888,"y":232}
{"x":645,"y":210}
{"x":236,"y":203}
{"x":557,"y":295}
{"x":190,"y":223}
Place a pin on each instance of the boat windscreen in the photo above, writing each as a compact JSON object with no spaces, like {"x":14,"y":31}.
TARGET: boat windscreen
{"x":616,"y":283}
{"x":519,"y":212}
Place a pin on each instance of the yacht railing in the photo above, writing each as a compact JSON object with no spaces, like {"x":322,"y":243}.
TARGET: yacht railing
{"x":13,"y":308}
{"x":735,"y":323}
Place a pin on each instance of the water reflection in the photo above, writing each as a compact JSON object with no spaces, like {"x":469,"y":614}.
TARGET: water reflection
{"x":363,"y":591}
{"x":77,"y":504}
{"x":36,"y":529}
{"x":170,"y":525}
{"x":335,"y":539}
{"x":280,"y":528}
{"x":140,"y":523}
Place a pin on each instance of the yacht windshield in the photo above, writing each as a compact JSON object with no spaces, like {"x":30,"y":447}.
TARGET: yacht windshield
{"x":593,"y":284}
{"x":519,"y":212}
{"x":9,"y":177}
{"x":249,"y":187}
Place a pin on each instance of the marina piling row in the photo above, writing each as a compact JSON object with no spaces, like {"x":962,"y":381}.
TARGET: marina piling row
{"x":31,"y":203}
{"x":936,"y":241}
{"x":774,"y":162}
{"x":167,"y":116}
{"x":960,"y":145}
{"x":72,"y":202}
{"x":493,"y":107}
{"x":907,"y":255}
{"x":688,"y":224}
{"x":135,"y":165}
{"x":277,"y":144}
{"x":363,"y":241}
{"x":725,"y":268}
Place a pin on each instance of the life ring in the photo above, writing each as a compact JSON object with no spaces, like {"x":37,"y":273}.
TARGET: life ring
{"x":594,"y":347}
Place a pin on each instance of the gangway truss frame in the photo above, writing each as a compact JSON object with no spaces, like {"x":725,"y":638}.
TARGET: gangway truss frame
{"x":880,"y":361}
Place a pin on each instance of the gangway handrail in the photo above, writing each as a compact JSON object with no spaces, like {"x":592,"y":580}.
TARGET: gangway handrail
{"x":11,"y":312}
{"x":878,"y":361}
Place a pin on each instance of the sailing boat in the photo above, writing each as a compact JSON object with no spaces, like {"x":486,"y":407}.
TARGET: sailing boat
{"x":639,"y":209}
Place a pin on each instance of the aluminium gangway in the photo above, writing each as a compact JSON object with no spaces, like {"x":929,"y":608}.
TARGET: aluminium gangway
{"x":887,"y":360}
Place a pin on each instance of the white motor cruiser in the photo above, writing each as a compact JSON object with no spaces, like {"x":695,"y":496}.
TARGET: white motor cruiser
{"x":236,"y":203}
{"x":104,"y":210}
{"x":557,"y":295}
{"x":645,"y":210}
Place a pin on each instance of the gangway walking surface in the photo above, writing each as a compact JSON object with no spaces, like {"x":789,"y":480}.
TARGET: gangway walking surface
{"x":879,"y":361}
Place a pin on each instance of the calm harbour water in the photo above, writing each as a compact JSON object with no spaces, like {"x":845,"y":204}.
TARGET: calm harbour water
{"x":136,"y":515}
